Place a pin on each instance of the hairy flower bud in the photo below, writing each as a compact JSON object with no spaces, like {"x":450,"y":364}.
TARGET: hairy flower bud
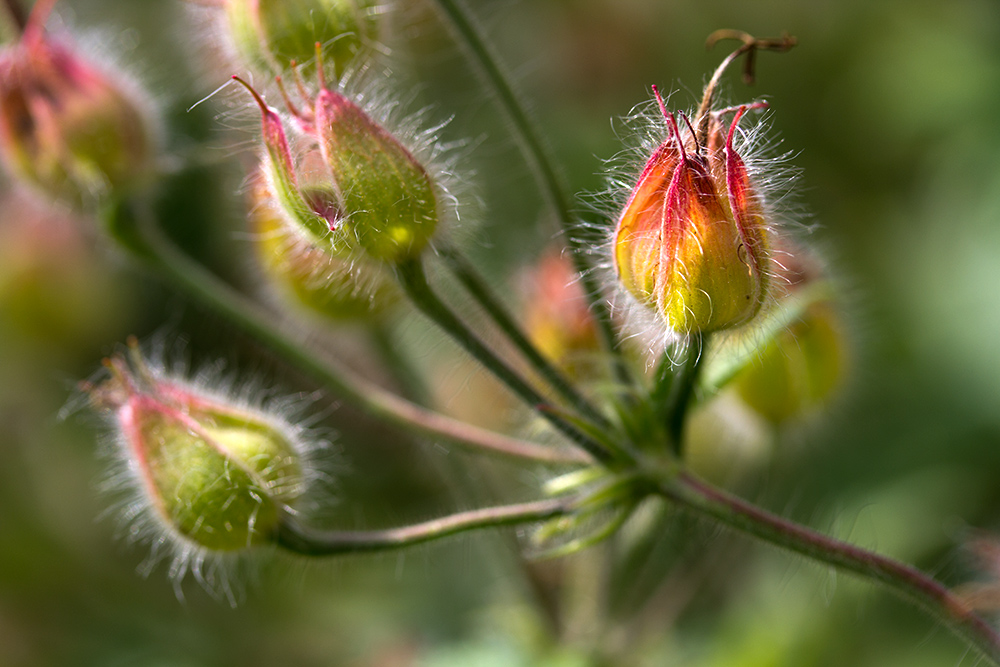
{"x":691,"y":242}
{"x":67,"y":126}
{"x":215,"y":473}
{"x":338,"y":287}
{"x":274,"y":33}
{"x":355,"y":186}
{"x":803,"y":364}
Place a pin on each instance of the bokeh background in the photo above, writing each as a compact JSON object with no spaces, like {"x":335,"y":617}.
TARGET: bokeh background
{"x":890,"y":108}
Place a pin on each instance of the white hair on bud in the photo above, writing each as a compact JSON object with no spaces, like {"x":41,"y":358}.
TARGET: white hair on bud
{"x":140,"y":521}
{"x":643,"y":131}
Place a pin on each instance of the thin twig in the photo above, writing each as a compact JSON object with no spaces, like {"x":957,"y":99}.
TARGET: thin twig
{"x":414,"y":282}
{"x":541,"y":164}
{"x":477,"y":287}
{"x":300,"y":539}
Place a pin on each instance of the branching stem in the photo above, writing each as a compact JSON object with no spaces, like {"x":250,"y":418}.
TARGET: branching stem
{"x":146,"y":243}
{"x":477,"y":287}
{"x":537,"y":156}
{"x":414,"y":281}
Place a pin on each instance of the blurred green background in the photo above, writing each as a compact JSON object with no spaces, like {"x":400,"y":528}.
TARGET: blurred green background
{"x":890,"y":107}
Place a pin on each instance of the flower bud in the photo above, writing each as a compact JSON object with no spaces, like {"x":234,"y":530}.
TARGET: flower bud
{"x":557,"y":318}
{"x":334,"y":286}
{"x":271,"y":34}
{"x":67,"y":126}
{"x":362,"y":189}
{"x":691,"y":242}
{"x":57,"y":296}
{"x":212,"y":472}
{"x":801,"y":367}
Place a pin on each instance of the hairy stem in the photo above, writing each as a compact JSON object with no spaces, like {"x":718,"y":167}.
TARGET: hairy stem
{"x":414,"y":281}
{"x":904,"y":580}
{"x":300,"y":539}
{"x":682,"y":389}
{"x":147,"y":243}
{"x":478,"y":288}
{"x":537,"y":156}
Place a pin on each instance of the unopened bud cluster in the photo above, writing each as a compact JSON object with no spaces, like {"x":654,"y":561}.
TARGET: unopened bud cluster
{"x":344,"y":206}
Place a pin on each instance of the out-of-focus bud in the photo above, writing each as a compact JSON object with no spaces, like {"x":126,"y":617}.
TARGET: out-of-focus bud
{"x":361,"y":189}
{"x":802,"y":366}
{"x":341,"y":288}
{"x":56,"y":295}
{"x":211,"y":471}
{"x":692,"y":242}
{"x":69,"y":127}
{"x":271,"y":34}
{"x":557,"y":318}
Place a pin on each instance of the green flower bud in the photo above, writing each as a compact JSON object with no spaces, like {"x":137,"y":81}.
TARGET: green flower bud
{"x":67,"y":126}
{"x":272,"y":34}
{"x":337,"y":287}
{"x":366,"y":192}
{"x":799,"y":370}
{"x":803,"y":365}
{"x":215,"y":474}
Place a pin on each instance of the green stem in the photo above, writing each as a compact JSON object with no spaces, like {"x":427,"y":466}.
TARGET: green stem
{"x":147,"y":243}
{"x":904,"y":580}
{"x":536,"y":155}
{"x":300,"y":539}
{"x":414,"y":282}
{"x":682,"y":389}
{"x":478,"y":288}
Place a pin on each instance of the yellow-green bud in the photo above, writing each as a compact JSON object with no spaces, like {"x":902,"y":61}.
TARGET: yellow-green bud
{"x":338,"y":287}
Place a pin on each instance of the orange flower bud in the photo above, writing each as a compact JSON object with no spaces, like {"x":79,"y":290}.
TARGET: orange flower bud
{"x":691,"y":242}
{"x":556,"y":315}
